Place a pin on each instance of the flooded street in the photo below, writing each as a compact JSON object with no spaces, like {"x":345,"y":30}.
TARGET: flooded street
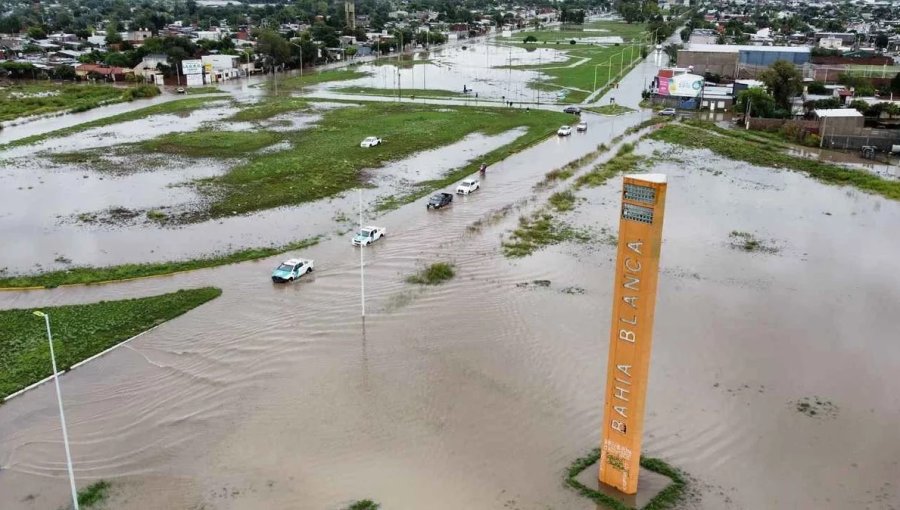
{"x":478,"y":393}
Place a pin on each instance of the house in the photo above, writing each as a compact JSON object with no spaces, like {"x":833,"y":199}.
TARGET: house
{"x":137,"y":36}
{"x":88,"y":71}
{"x":149,"y":67}
{"x":221,"y":67}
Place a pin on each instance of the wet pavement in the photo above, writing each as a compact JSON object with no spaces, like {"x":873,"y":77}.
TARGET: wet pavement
{"x":478,"y":393}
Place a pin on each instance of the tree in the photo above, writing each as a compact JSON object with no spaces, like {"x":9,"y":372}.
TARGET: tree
{"x":895,"y":83}
{"x":860,"y":106}
{"x":816,"y":87}
{"x":269,"y":43}
{"x":881,"y":40}
{"x":533,"y":39}
{"x":761,"y":103}
{"x":112,"y":33}
{"x":784,"y":81}
{"x":37,"y":32}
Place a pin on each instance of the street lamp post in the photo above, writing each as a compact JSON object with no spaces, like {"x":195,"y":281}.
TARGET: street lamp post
{"x":301,"y":58}
{"x":62,"y":416}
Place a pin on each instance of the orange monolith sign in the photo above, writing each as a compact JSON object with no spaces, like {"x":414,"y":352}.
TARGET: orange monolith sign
{"x":634,"y":297}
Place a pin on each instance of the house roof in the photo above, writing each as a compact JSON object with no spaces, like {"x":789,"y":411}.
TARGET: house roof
{"x":101,"y":69}
{"x":838,"y":112}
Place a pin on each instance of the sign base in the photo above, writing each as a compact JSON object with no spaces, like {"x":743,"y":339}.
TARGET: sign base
{"x":650,"y":484}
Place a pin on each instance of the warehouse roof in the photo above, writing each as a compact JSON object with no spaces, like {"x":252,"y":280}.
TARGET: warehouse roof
{"x":839,"y":112}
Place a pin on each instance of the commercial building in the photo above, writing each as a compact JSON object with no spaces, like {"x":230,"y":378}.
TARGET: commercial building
{"x":738,"y":61}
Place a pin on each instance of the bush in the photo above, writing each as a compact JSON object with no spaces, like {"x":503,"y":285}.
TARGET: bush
{"x":816,"y":87}
{"x":530,"y":39}
{"x":572,"y":41}
{"x":141,"y":91}
{"x":436,"y":273}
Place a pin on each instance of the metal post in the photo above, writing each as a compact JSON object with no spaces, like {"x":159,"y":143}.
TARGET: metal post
{"x":362,"y":275}
{"x":62,"y":416}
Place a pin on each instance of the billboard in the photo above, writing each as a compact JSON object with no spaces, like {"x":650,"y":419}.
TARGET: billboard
{"x":683,"y":85}
{"x":191,"y":67}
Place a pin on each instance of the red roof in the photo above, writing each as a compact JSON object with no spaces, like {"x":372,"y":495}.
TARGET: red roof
{"x":101,"y":69}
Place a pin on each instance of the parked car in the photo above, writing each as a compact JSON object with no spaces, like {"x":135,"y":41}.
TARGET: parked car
{"x":291,"y":269}
{"x":180,"y":90}
{"x":668,"y":112}
{"x":572,"y":109}
{"x":564,"y":131}
{"x":368,"y":235}
{"x":439,"y":200}
{"x":467,"y":186}
{"x":581,"y":127}
{"x":371,"y":141}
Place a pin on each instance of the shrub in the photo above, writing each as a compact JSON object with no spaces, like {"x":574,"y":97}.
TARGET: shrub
{"x":435,"y":274}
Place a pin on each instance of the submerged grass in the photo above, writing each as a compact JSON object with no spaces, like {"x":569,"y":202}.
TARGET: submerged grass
{"x":88,"y":275}
{"x":568,"y":170}
{"x":269,"y":108}
{"x":667,"y":498}
{"x":363,"y":504}
{"x":81,"y":331}
{"x":624,"y":162}
{"x":209,"y":143}
{"x":537,"y":231}
{"x":562,"y":201}
{"x":40,"y":98}
{"x":609,"y":109}
{"x":434,"y":274}
{"x":373,"y":91}
{"x":94,"y":493}
{"x":171,"y":107}
{"x":761,"y":154}
{"x":314,"y":78}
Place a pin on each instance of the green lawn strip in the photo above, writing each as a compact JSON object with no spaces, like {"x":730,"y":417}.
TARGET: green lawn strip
{"x":203,"y":90}
{"x":327,"y":159}
{"x":314,"y":78}
{"x":208,"y":143}
{"x":178,"y":106}
{"x":762,"y":154}
{"x":81,"y":331}
{"x":404,"y":63}
{"x":608,"y":109}
{"x":93,"y":494}
{"x":624,"y":162}
{"x":269,"y":108}
{"x":604,"y":65}
{"x":373,"y":91}
{"x":42,"y":98}
{"x":667,"y":498}
{"x":88,"y":275}
{"x":539,"y":230}
{"x":434,"y":274}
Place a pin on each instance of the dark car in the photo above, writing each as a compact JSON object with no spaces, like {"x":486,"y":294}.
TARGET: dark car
{"x":439,"y":200}
{"x":573,"y":109}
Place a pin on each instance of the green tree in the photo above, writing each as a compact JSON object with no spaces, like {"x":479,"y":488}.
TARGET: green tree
{"x":784,"y":81}
{"x":36,"y":32}
{"x":112,"y":32}
{"x":272,"y":45}
{"x":761,"y":103}
{"x":895,"y":83}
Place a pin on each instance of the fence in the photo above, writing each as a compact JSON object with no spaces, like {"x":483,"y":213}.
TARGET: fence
{"x":761,"y":124}
{"x":856,"y":138}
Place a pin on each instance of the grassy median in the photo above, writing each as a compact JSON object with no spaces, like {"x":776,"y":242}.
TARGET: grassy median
{"x":40,"y":98}
{"x":80,"y":331}
{"x":739,"y":146}
{"x":89,"y":275}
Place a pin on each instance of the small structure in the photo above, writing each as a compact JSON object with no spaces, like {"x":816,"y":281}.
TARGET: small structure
{"x":839,"y":121}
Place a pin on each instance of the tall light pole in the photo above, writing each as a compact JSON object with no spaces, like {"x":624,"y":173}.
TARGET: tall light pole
{"x":301,"y":58}
{"x":62,"y":416}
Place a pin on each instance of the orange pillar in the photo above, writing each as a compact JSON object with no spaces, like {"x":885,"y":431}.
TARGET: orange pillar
{"x":630,"y":339}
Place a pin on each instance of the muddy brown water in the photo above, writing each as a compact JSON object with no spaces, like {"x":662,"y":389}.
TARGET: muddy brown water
{"x":478,"y":393}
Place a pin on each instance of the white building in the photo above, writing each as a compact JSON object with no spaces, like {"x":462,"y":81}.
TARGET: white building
{"x":221,"y":67}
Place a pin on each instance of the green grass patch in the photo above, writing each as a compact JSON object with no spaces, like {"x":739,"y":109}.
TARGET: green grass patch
{"x":568,"y":170}
{"x":268,"y":108}
{"x":609,"y":109}
{"x":314,"y":78}
{"x":203,"y":90}
{"x":434,"y":274}
{"x":180,"y":106}
{"x":426,"y":93}
{"x":88,"y":275}
{"x":209,"y":143}
{"x":364,"y":504}
{"x":79,"y":332}
{"x":562,"y":201}
{"x":623,"y":162}
{"x":94,"y":493}
{"x":667,"y":498}
{"x":537,"y":231}
{"x":42,"y":98}
{"x":406,"y":61}
{"x":762,"y":154}
{"x":327,"y":159}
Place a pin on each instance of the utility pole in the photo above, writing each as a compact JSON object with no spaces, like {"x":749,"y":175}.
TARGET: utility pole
{"x":362,"y":277}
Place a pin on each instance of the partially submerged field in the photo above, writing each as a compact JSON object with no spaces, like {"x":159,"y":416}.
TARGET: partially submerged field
{"x":601,"y":28}
{"x":39,"y":98}
{"x":80,"y":331}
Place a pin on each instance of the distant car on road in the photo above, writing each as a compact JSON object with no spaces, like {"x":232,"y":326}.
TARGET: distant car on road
{"x":371,"y":141}
{"x":439,"y":200}
{"x":291,"y":269}
{"x":564,"y":131}
{"x":180,"y":90}
{"x":368,"y":235}
{"x":572,"y":109}
{"x":581,"y":127}
{"x":668,"y":112}
{"x":467,"y":186}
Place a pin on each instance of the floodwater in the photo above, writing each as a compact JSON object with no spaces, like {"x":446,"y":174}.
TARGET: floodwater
{"x":479,"y":68}
{"x":478,"y":393}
